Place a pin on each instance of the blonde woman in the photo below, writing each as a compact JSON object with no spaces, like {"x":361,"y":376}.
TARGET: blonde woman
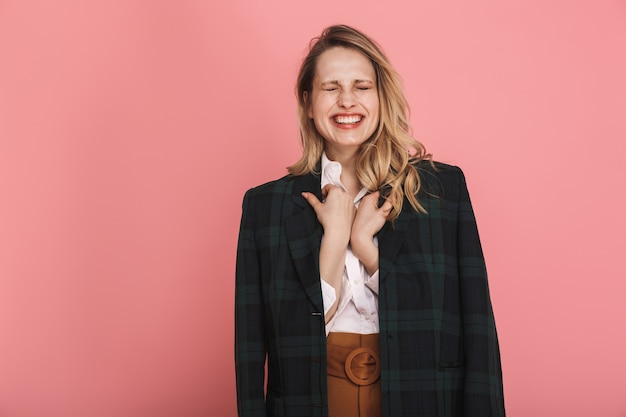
{"x":361,"y":288}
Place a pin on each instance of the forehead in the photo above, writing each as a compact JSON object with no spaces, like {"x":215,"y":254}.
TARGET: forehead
{"x":343,"y":64}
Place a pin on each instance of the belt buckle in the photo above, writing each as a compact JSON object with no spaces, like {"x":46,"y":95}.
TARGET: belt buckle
{"x":372,"y":376}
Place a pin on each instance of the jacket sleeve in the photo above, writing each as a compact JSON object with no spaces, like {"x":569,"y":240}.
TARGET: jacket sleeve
{"x":250,"y":344}
{"x":483,"y":391}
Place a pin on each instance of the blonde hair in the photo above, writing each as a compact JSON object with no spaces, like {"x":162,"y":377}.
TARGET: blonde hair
{"x":387,"y":160}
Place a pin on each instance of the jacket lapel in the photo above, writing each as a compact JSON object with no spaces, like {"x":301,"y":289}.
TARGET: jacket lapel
{"x":419,"y":226}
{"x":304,"y":235}
{"x":390,"y":239}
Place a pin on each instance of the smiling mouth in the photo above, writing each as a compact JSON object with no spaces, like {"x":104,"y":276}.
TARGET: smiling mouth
{"x":347,"y":120}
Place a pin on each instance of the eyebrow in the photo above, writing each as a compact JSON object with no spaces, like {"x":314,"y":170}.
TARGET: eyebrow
{"x":336,"y":82}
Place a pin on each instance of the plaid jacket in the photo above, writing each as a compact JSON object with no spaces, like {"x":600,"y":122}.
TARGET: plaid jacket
{"x":439,"y":349}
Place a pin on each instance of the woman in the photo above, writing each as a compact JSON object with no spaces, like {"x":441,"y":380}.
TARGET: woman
{"x":360,"y":275}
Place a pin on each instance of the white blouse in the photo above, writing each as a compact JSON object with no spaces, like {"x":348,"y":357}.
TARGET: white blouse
{"x":357,"y":311}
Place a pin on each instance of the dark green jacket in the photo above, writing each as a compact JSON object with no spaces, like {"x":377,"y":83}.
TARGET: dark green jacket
{"x":439,"y":349}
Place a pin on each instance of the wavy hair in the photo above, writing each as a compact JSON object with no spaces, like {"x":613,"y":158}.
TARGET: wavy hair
{"x":387,"y":160}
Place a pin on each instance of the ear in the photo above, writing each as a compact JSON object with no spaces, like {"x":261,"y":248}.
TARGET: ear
{"x":309,"y":110}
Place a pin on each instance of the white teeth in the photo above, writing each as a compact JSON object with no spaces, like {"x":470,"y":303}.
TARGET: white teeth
{"x":347,"y":119}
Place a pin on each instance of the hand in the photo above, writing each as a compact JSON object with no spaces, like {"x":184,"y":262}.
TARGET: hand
{"x":370,"y":218}
{"x":336,"y":213}
{"x":368,"y":221}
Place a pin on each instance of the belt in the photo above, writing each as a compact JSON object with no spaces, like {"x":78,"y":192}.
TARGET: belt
{"x":354,"y":357}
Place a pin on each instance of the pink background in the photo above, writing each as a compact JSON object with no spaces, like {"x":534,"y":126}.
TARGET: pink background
{"x":129,"y":131}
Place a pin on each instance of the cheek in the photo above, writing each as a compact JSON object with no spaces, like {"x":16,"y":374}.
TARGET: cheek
{"x":374,"y":105}
{"x":320,"y":110}
{"x":375,"y":112}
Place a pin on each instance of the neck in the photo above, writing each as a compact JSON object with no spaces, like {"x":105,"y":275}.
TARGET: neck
{"x":347,"y":158}
{"x":349,"y":176}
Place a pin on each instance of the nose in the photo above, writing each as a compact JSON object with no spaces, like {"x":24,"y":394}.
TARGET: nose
{"x":346,"y":99}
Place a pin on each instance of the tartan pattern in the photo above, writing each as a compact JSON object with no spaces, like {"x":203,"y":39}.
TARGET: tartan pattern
{"x":439,"y":348}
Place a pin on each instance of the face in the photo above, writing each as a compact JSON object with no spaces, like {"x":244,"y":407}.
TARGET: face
{"x":344,"y":100}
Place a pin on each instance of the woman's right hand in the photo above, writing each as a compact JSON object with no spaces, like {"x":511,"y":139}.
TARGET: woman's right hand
{"x":336,"y":213}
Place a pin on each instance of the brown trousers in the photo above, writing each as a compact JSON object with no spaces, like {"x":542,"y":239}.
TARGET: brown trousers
{"x":353,"y":375}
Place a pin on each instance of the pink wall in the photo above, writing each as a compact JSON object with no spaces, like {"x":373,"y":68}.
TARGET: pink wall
{"x":129,"y":131}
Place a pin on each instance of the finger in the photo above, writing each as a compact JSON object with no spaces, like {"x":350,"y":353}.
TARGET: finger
{"x":325,"y":192}
{"x":312,"y":200}
{"x":386,"y":207}
{"x":327,"y":189}
{"x":372,"y":198}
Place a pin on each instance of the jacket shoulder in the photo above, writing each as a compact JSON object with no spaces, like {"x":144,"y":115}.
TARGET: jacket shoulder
{"x":282,"y":185}
{"x":440,"y":179}
{"x":438,"y":169}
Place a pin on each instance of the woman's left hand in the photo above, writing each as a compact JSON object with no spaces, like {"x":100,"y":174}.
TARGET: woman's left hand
{"x":368,"y":221}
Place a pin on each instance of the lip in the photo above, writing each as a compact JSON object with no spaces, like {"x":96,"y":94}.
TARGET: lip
{"x":347,"y":125}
